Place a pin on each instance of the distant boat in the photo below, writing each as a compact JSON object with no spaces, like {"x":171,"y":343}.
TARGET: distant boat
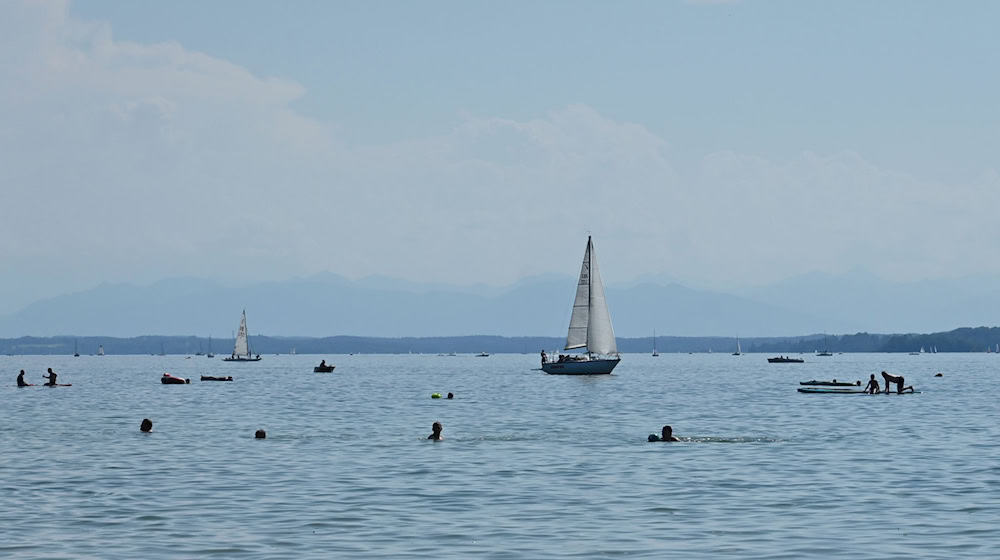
{"x":241,"y":348}
{"x":589,"y":326}
{"x":739,"y":351}
{"x":482,"y":355}
{"x":76,"y":353}
{"x":210,"y":354}
{"x":655,"y":353}
{"x":162,"y":351}
{"x":293,"y":351}
{"x":826,"y":348}
{"x":784,"y":360}
{"x":100,"y":349}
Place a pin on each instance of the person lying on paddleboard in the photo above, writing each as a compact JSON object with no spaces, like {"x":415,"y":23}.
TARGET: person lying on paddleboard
{"x":667,"y":434}
{"x":873,"y":388}
{"x":51,"y":377}
{"x":20,"y":380}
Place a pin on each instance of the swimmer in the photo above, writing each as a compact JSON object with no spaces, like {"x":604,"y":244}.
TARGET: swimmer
{"x":436,"y":432}
{"x":451,"y":396}
{"x":146,"y":425}
{"x":20,"y":380}
{"x":51,"y":377}
{"x":260,"y":434}
{"x":873,"y":388}
{"x":667,"y":434}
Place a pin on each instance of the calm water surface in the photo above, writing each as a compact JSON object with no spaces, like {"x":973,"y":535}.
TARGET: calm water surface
{"x":532,"y":465}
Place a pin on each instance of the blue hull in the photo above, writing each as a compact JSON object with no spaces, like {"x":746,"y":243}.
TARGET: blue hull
{"x":589,"y":367}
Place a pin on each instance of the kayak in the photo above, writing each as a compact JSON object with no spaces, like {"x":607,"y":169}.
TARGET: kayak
{"x":830,"y":383}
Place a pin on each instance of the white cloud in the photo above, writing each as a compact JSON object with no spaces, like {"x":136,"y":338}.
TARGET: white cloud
{"x":123,"y":161}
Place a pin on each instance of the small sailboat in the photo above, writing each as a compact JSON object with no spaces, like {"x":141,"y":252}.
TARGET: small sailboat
{"x":241,"y":348}
{"x":826,"y":351}
{"x":655,"y":353}
{"x":210,"y":354}
{"x":589,"y":327}
{"x":739,"y":351}
{"x":100,"y":349}
{"x":76,"y":353}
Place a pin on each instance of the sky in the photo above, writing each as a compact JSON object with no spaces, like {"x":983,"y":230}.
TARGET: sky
{"x":718,"y":144}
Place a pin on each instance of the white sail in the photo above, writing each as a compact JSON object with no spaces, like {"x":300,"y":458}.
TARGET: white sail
{"x":242,"y":346}
{"x":100,"y":350}
{"x":590,"y":324}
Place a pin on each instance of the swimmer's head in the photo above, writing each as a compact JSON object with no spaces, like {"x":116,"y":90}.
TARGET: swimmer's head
{"x":451,"y":396}
{"x":260,"y":434}
{"x":667,"y":432}
{"x":436,"y":428}
{"x":146,"y":425}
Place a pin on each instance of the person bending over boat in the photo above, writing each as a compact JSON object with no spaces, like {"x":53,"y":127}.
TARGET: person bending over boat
{"x":873,"y":388}
{"x":51,"y":378}
{"x":20,"y":380}
{"x":667,"y":434}
{"x":436,"y":432}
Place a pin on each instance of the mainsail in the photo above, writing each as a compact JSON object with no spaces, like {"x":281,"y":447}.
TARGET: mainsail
{"x":590,"y":325}
{"x":242,"y":347}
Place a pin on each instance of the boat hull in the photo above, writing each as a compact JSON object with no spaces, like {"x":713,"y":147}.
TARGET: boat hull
{"x":240,"y":359}
{"x":323,"y":369}
{"x":588,"y":367}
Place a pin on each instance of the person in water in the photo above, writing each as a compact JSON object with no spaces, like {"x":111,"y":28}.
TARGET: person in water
{"x":873,"y":388}
{"x":146,"y":425}
{"x":451,"y":396}
{"x":436,"y":432}
{"x":260,"y":434}
{"x":51,"y":377}
{"x":667,"y":434}
{"x":20,"y":380}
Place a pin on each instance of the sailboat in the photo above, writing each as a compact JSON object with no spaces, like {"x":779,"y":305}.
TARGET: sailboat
{"x":589,"y":327}
{"x":826,"y":351}
{"x":739,"y":351}
{"x":210,"y":354}
{"x":655,"y":353}
{"x":100,"y":349}
{"x":241,"y":349}
{"x":76,"y":353}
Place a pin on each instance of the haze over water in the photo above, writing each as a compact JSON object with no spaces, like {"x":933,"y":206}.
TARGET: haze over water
{"x":532,"y":465}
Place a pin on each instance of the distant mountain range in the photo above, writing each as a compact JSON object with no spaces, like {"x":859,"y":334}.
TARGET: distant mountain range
{"x":330,"y":305}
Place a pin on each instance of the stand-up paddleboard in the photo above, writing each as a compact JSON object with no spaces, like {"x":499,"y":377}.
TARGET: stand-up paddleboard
{"x":831,"y":383}
{"x":841,"y":391}
{"x":57,"y":385}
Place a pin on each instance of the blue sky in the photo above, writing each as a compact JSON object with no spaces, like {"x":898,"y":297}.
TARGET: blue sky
{"x":723,"y":144}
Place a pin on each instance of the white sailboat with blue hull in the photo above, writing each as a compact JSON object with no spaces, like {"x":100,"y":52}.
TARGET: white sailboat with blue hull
{"x":589,"y":327}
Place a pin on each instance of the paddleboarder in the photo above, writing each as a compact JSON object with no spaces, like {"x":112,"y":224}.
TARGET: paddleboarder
{"x":51,"y":377}
{"x":873,"y":388}
{"x":20,"y":380}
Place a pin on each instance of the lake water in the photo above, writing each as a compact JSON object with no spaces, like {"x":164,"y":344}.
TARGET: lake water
{"x":532,"y":465}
